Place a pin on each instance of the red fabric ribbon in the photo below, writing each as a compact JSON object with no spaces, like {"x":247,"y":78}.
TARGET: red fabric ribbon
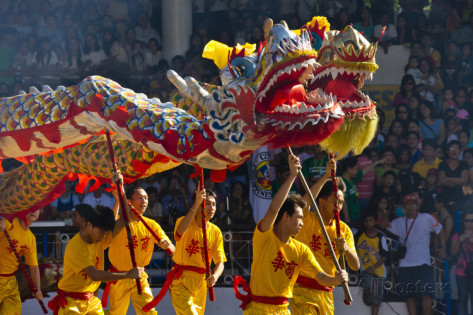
{"x":60,"y":299}
{"x":312,"y":284}
{"x":246,"y":299}
{"x":175,"y":273}
{"x":107,"y":287}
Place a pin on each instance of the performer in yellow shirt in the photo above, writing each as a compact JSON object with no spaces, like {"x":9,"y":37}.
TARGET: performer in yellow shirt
{"x":25,"y":243}
{"x":308,"y":291}
{"x":83,"y":264}
{"x":277,"y":257}
{"x":186,"y":280}
{"x":143,"y":242}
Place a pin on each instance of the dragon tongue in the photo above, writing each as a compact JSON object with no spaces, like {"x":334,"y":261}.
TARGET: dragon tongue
{"x":290,"y":94}
{"x":343,"y":89}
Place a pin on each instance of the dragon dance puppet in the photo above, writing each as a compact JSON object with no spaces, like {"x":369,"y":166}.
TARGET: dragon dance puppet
{"x":296,"y":88}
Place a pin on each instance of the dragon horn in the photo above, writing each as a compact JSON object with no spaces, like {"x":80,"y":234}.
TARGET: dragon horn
{"x":268,"y":25}
{"x":283,"y":23}
{"x":187,"y":88}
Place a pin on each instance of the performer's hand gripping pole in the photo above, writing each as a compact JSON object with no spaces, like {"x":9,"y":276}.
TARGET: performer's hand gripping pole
{"x":206,"y":245}
{"x":156,"y":236}
{"x":23,"y":268}
{"x":123,"y":206}
{"x":322,"y":226}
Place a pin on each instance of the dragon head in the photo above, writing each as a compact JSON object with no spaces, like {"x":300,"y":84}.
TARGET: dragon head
{"x":347,"y":59}
{"x":263,"y":97}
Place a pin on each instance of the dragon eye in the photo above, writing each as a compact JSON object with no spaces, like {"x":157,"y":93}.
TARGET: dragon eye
{"x":243,"y":67}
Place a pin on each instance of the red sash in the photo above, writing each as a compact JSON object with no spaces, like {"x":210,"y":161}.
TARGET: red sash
{"x":246,"y":299}
{"x":312,"y":284}
{"x":6,"y":275}
{"x":60,"y":299}
{"x":107,"y":287}
{"x":175,"y":273}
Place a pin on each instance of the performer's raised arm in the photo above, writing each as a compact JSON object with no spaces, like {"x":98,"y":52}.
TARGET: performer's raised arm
{"x":315,"y":188}
{"x":268,"y":220}
{"x":190,"y":216}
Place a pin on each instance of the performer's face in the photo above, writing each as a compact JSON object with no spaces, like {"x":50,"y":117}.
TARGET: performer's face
{"x":326,"y":205}
{"x":139,"y":200}
{"x":97,"y":234}
{"x":294,"y":222}
{"x":210,"y":207}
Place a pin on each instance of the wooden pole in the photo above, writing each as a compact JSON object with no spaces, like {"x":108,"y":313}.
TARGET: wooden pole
{"x":123,"y":206}
{"x":204,"y":235}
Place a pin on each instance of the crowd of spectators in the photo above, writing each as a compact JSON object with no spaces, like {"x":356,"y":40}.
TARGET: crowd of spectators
{"x":427,"y":148}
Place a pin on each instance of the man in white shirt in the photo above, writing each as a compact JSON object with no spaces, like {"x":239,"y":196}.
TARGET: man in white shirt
{"x":99,"y":198}
{"x":144,"y":32}
{"x":415,"y":272}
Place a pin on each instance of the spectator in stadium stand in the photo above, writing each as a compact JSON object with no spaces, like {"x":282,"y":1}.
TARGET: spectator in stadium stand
{"x":403,"y":158}
{"x":403,"y":113}
{"x":431,"y":84}
{"x":430,"y":51}
{"x":392,"y":141}
{"x":366,"y":186}
{"x":61,"y":207}
{"x":143,"y":31}
{"x":390,"y":34}
{"x":387,"y":187}
{"x":462,"y":248}
{"x":388,"y":160}
{"x":413,"y":141}
{"x":413,"y":125}
{"x":451,"y":67}
{"x":466,"y":57}
{"x":415,"y":268}
{"x":461,"y":99}
{"x":429,"y":160}
{"x":313,"y":168}
{"x":99,"y":198}
{"x":153,"y":53}
{"x":468,"y":159}
{"x":405,"y":33}
{"x":351,"y":175}
{"x":430,"y":125}
{"x":365,"y":25}
{"x":416,"y":49}
{"x":93,"y":57}
{"x":453,"y":174}
{"x":407,"y":89}
{"x":412,"y":68}
{"x":398,"y":127}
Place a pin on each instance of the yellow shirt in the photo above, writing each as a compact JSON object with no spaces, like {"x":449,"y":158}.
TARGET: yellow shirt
{"x":143,"y":243}
{"x":25,"y":244}
{"x":189,"y":248}
{"x":78,"y":256}
{"x":370,"y":251}
{"x":421,"y":168}
{"x":311,"y":235}
{"x":276,"y":265}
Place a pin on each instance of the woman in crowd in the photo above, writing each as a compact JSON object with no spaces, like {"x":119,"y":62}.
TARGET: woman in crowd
{"x":403,"y":158}
{"x":431,"y":84}
{"x":403,"y":112}
{"x":453,"y":173}
{"x":462,"y":248}
{"x":407,"y":89}
{"x":431,"y":127}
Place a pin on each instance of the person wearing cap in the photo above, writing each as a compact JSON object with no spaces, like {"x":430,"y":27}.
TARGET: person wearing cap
{"x":416,"y":276}
{"x":429,"y":161}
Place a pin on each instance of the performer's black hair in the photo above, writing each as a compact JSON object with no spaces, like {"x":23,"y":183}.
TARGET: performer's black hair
{"x":289,"y":206}
{"x":100,"y":216}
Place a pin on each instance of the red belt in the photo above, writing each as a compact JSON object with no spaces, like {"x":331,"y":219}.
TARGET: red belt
{"x":107,"y":287}
{"x":60,"y":299}
{"x":246,"y":299}
{"x":7,"y":275}
{"x":175,"y":273}
{"x":312,"y":284}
